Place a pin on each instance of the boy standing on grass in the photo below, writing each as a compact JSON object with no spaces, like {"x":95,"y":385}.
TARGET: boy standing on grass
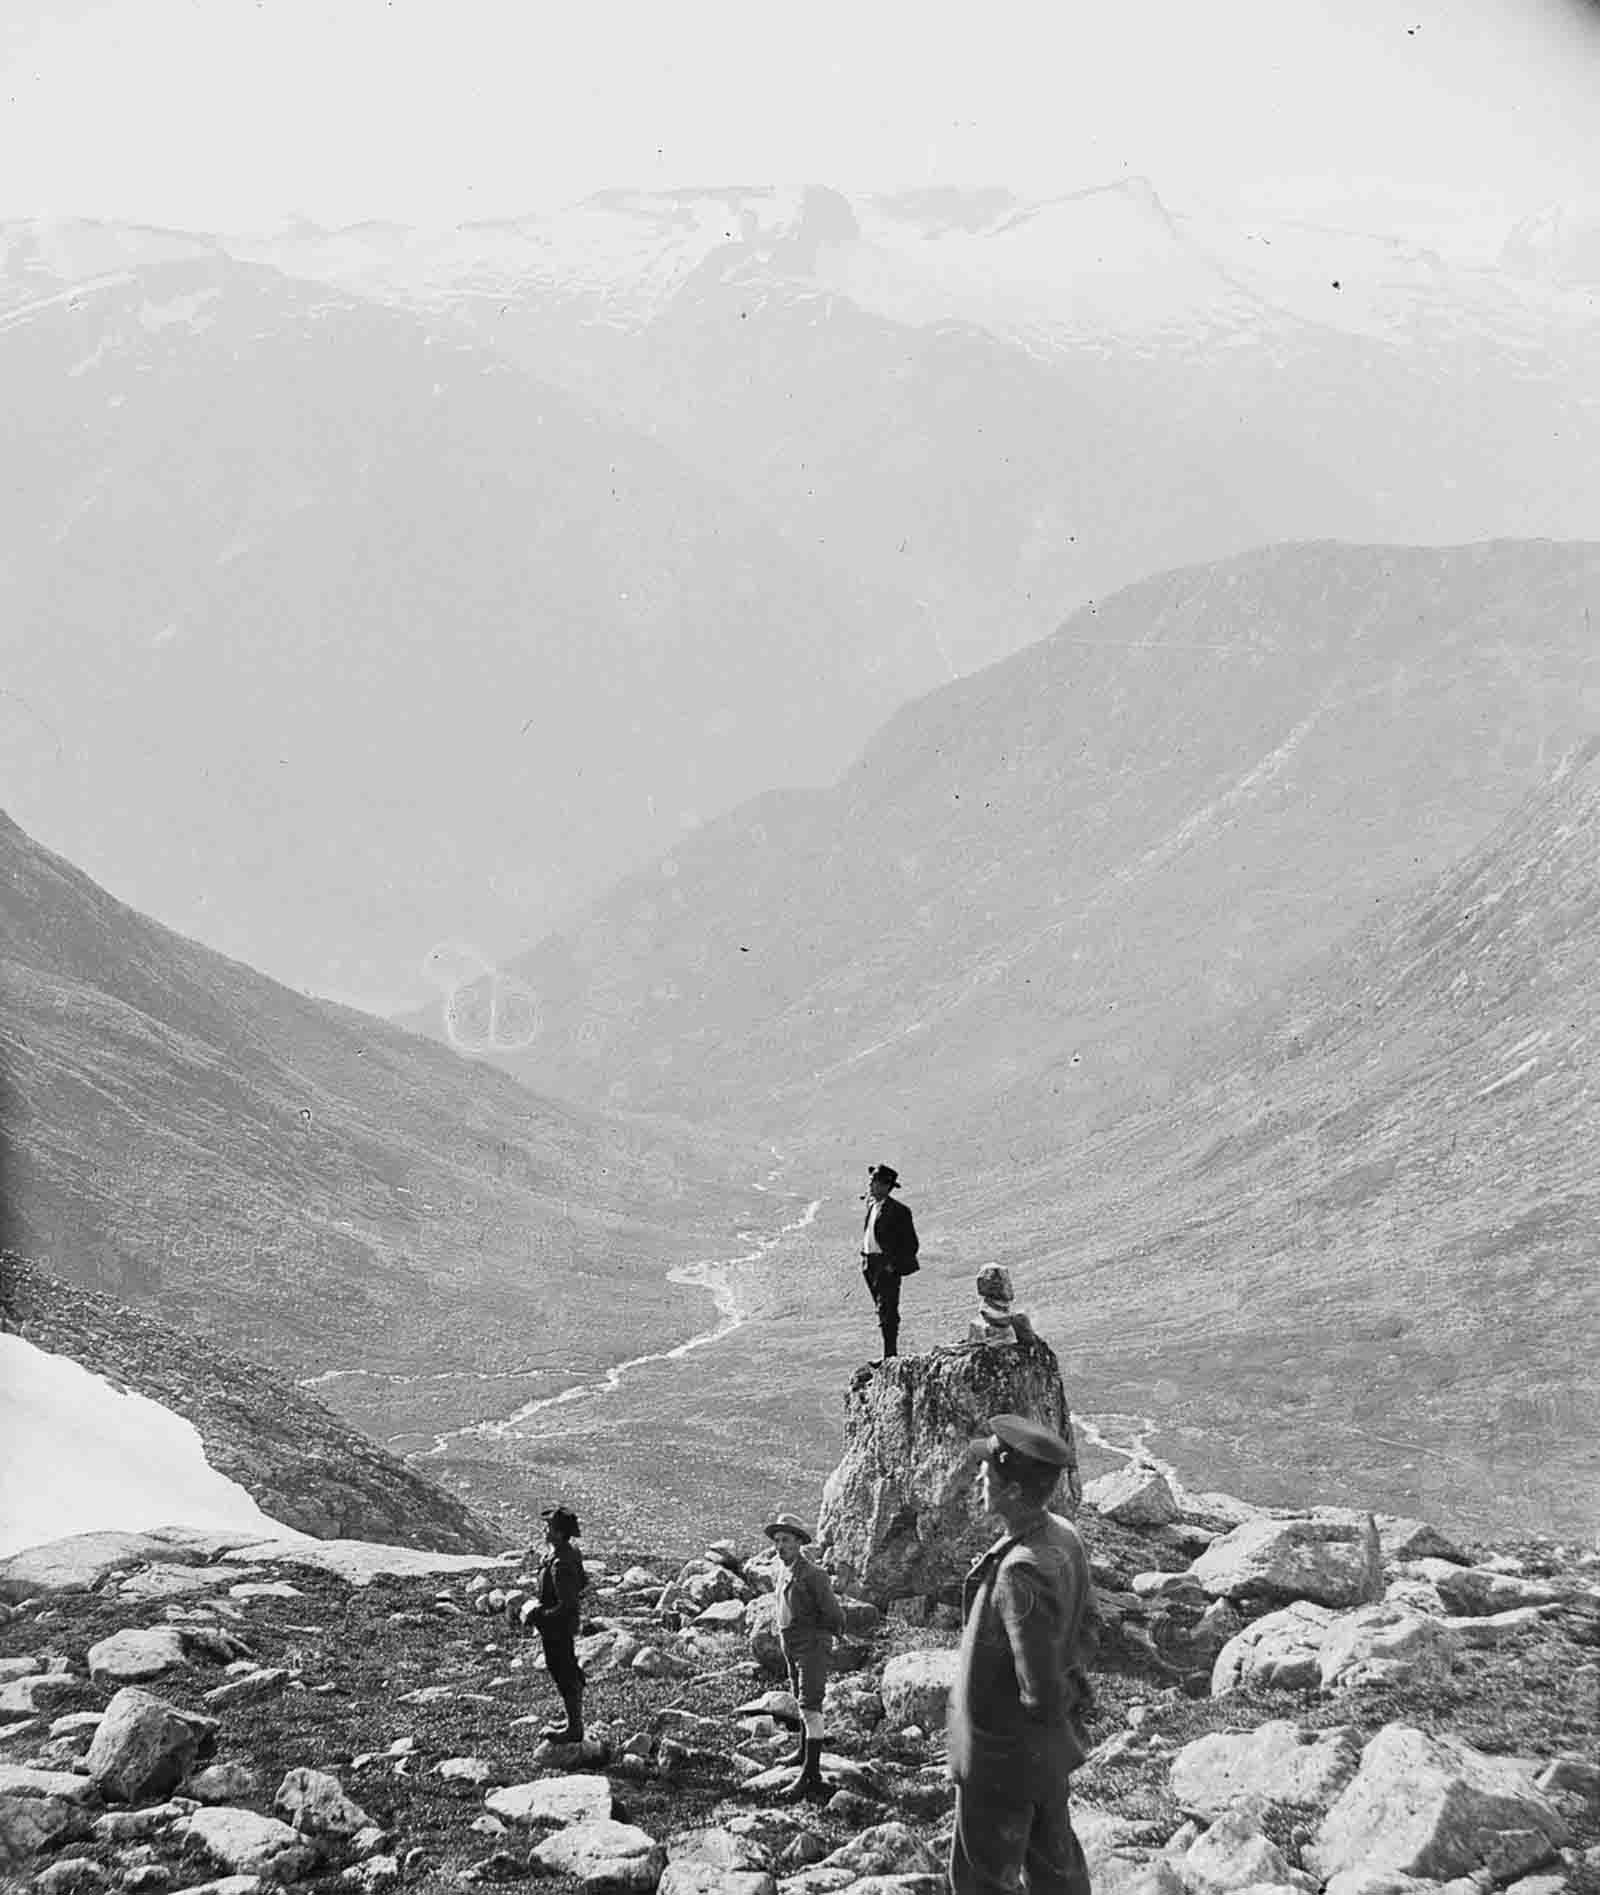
{"x":557,"y":1615}
{"x":808,"y":1617}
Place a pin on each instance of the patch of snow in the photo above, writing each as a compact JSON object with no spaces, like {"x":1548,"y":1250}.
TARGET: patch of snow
{"x":82,"y":1457}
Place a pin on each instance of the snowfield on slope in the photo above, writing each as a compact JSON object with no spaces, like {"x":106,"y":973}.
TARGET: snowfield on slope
{"x":82,"y":1456}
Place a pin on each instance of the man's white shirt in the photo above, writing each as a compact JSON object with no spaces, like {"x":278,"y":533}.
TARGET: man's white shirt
{"x":869,"y":1235}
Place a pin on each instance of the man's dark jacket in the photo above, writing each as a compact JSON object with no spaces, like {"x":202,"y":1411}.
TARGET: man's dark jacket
{"x":1022,"y":1691}
{"x":896,"y":1235}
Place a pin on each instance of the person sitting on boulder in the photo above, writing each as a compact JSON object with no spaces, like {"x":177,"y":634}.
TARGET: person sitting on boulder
{"x":557,"y":1615}
{"x":808,"y":1616}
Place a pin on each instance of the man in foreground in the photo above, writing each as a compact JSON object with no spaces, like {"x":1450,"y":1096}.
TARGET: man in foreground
{"x":888,"y":1251}
{"x":1022,"y":1693}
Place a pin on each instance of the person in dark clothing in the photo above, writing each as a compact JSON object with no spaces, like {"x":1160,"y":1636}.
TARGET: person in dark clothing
{"x":557,"y":1615}
{"x":888,"y":1251}
{"x":1022,"y":1693}
{"x":808,"y":1617}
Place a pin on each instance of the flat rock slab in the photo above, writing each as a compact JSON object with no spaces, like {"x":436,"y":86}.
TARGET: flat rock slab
{"x":24,"y":1697}
{"x":18,"y":1780}
{"x":135,"y":1656}
{"x":82,"y":1561}
{"x":575,"y":1799}
{"x":1386,"y":1643}
{"x":359,"y":1562}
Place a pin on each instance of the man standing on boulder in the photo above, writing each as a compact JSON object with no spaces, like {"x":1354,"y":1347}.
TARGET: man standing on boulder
{"x":1022,"y":1693}
{"x":808,"y":1616}
{"x":558,"y":1614}
{"x":888,"y":1251}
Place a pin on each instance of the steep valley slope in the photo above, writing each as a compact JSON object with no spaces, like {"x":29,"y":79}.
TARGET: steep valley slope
{"x":306,"y":1184}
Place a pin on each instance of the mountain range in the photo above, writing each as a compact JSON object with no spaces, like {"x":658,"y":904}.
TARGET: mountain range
{"x":375,"y":591}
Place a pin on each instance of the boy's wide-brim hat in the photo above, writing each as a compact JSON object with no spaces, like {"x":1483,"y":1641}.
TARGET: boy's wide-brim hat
{"x":788,"y":1523}
{"x":564,"y":1520}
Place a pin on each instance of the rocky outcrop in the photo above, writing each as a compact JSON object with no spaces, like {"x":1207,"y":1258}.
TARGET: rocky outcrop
{"x":898,"y":1513}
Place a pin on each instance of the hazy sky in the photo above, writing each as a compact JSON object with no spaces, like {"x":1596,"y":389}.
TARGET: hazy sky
{"x":235,"y":112}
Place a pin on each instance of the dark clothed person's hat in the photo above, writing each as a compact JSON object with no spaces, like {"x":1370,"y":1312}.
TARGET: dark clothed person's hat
{"x":788,"y":1523}
{"x":889,"y":1175}
{"x":1013,"y":1439}
{"x":564,"y":1520}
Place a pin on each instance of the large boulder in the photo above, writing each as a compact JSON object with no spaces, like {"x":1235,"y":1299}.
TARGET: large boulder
{"x":1133,"y":1496}
{"x":1281,"y":1650}
{"x":143,"y":1747}
{"x":1434,"y":1806}
{"x":900,"y":1509}
{"x":1277,"y":1762}
{"x":1386,"y":1643}
{"x":916,"y":1688}
{"x":1329,"y":1562}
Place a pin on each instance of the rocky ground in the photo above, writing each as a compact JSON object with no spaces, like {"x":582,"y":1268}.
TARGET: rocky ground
{"x":1309,"y":1702}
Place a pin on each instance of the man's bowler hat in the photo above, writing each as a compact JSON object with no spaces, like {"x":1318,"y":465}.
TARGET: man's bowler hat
{"x":889,"y":1175}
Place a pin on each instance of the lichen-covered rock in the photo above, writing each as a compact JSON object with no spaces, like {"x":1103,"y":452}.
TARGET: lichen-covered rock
{"x":1281,"y":1650}
{"x":1402,"y":1538}
{"x":1328,"y":1562}
{"x":899,"y":1510}
{"x":603,"y":1857}
{"x":916,"y":1686}
{"x":1233,"y":1856}
{"x":885,"y":1849}
{"x":761,"y":1635}
{"x":315,"y":1803}
{"x":1385,"y":1643}
{"x":1277,"y":1762}
{"x":1434,"y":1806}
{"x":246,"y":1843}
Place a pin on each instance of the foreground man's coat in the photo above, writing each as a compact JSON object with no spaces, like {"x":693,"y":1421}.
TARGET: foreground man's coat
{"x":1018,"y":1709}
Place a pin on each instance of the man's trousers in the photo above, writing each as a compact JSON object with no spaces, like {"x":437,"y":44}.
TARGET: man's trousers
{"x":999,"y":1848}
{"x":884,"y":1282}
